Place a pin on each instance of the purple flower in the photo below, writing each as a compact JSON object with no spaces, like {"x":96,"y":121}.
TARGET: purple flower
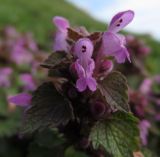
{"x":144,"y":125}
{"x":114,"y":43}
{"x":11,"y":32}
{"x":22,"y":99}
{"x":157,"y":117}
{"x":84,"y":65}
{"x":27,"y":81}
{"x":32,"y":45}
{"x":19,"y":53}
{"x":5,"y":76}
{"x":60,"y":43}
{"x":157,"y":79}
{"x":145,"y":50}
{"x":146,"y":85}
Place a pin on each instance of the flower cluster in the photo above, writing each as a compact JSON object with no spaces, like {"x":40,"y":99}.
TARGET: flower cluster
{"x":144,"y":103}
{"x":90,"y":52}
{"x":18,"y":53}
{"x":83,"y":49}
{"x":137,"y":47}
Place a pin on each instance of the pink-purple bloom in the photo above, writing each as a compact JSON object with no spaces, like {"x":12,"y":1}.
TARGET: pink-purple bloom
{"x":20,"y":55}
{"x":157,"y":79}
{"x":22,"y":99}
{"x":28,"y":82}
{"x":60,"y":43}
{"x":146,"y":85}
{"x":5,"y":74}
{"x":144,"y":126}
{"x":84,"y":65}
{"x":32,"y":45}
{"x":114,"y":43}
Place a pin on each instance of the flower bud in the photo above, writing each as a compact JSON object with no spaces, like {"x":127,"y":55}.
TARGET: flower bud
{"x":98,"y":109}
{"x":144,"y":50}
{"x":72,"y":93}
{"x":130,"y":38}
{"x":106,"y":66}
{"x":84,"y":143}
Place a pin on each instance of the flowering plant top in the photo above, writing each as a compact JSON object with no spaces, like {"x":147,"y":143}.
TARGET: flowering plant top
{"x":84,"y":98}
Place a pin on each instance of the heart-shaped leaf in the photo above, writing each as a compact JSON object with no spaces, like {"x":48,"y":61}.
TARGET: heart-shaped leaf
{"x":49,"y":109}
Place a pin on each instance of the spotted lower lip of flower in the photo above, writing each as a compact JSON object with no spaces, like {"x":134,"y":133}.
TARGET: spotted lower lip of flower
{"x":113,"y":44}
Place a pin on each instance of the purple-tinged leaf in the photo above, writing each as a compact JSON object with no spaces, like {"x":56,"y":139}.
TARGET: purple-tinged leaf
{"x":74,"y":35}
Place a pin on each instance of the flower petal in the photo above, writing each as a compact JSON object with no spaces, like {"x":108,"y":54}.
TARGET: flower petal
{"x":121,"y":55}
{"x":111,"y":43}
{"x":28,"y":81}
{"x":60,"y":43}
{"x":22,"y":99}
{"x":120,"y":20}
{"x":81,"y":84}
{"x":92,"y":84}
{"x":79,"y":69}
{"x":61,"y":23}
{"x":83,"y":49}
{"x":144,"y":126}
{"x":90,"y":68}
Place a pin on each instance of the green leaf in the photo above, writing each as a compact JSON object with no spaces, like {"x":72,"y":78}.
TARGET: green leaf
{"x":38,"y":151}
{"x":59,"y":58}
{"x":47,"y":143}
{"x":148,"y":153}
{"x":118,"y":135}
{"x":52,"y":138}
{"x":114,"y":88}
{"x":10,"y":124}
{"x":49,"y":109}
{"x":3,"y":103}
{"x":71,"y":152}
